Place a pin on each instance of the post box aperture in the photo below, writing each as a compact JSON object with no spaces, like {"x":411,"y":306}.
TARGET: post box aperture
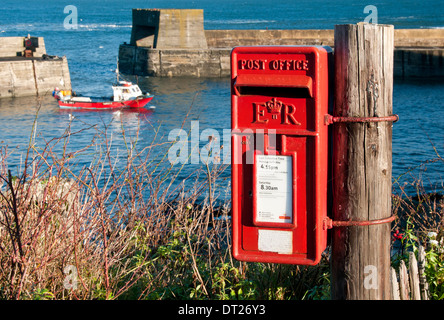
{"x":279,"y":100}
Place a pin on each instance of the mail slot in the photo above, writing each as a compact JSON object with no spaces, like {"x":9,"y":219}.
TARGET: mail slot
{"x":279,"y":100}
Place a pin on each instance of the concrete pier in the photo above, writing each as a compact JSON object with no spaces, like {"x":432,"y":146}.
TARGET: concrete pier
{"x":26,"y":69}
{"x":173,"y":43}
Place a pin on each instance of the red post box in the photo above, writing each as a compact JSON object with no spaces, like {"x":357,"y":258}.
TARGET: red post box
{"x":279,"y":103}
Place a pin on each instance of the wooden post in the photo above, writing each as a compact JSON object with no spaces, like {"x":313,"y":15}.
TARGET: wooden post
{"x":414,"y":277}
{"x":362,"y":161}
{"x":404,"y":285}
{"x":421,"y":270}
{"x":395,"y":285}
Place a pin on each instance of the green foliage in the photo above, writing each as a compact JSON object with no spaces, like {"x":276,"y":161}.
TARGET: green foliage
{"x":229,"y":284}
{"x":407,"y":242}
{"x":321,"y":291}
{"x":42,"y":294}
{"x":435,"y":267}
{"x":184,"y":266}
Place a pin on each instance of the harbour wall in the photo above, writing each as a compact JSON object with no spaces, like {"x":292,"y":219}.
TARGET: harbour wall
{"x":173,"y":43}
{"x":26,"y":71}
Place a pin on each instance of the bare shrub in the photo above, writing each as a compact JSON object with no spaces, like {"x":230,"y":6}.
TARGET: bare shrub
{"x":125,"y":227}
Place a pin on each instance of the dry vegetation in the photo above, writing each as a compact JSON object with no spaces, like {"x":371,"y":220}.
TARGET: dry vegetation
{"x":123,"y":228}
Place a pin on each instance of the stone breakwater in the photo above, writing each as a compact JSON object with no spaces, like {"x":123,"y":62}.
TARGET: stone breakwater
{"x":26,"y":69}
{"x":173,"y":43}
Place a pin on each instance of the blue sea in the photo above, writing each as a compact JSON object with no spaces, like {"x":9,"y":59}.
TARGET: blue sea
{"x":92,"y":49}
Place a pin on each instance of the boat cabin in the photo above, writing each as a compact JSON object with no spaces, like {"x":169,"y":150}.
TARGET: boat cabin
{"x":125,"y":90}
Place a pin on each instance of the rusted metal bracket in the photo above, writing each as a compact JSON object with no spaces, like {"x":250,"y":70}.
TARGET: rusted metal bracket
{"x":329,"y":119}
{"x":329,"y":223}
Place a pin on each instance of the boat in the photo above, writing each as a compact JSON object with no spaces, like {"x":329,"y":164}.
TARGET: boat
{"x":126,"y":95}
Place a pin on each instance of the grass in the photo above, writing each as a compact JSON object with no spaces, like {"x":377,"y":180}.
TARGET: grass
{"x":125,"y":227}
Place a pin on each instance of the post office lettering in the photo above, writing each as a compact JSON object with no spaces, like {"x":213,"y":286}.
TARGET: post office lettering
{"x":282,"y":64}
{"x":252,"y":64}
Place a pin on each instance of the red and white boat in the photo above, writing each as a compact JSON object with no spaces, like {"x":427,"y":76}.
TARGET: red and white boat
{"x":126,"y":95}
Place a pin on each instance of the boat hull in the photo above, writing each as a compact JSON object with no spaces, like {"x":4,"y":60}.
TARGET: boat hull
{"x":98,"y":105}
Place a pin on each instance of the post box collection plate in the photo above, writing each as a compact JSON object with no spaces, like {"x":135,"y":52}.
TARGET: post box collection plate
{"x":279,"y":100}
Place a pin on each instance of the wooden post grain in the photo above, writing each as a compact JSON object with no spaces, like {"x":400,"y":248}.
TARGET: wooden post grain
{"x":414,"y":277}
{"x":422,"y":277}
{"x":404,"y":285}
{"x":395,"y":285}
{"x":362,"y":161}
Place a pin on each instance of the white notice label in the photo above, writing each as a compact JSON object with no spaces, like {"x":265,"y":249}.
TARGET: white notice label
{"x":275,"y":241}
{"x":274,"y":189}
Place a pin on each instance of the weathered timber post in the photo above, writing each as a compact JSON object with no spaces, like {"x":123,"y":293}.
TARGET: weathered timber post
{"x":362,"y":162}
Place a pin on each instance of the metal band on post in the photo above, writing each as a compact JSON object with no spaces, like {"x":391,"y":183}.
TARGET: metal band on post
{"x":329,"y":223}
{"x":329,"y":119}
